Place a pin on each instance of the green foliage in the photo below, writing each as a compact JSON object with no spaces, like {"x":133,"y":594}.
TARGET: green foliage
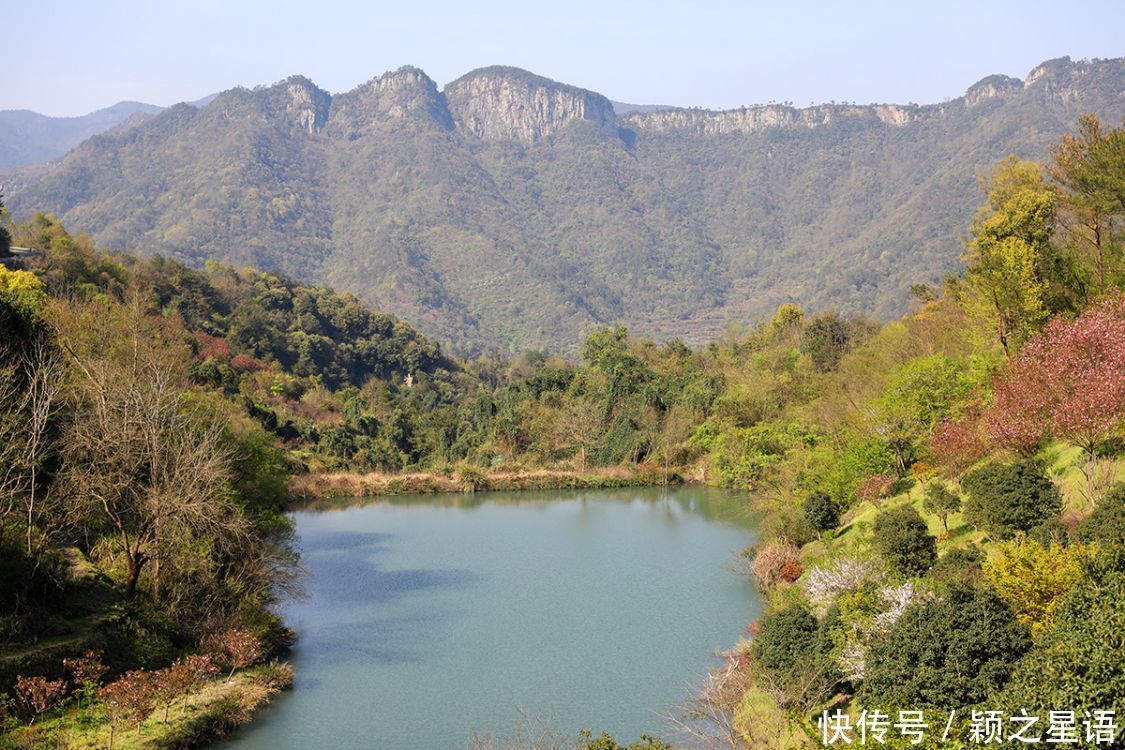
{"x":743,"y":456}
{"x":941,"y":501}
{"x":1106,"y":525}
{"x":950,"y":652}
{"x":1079,"y":661}
{"x":902,"y":538}
{"x":1006,"y":498}
{"x":605,"y":741}
{"x":790,"y":650}
{"x":822,"y":512}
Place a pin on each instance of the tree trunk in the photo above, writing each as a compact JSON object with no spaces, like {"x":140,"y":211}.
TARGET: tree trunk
{"x":136,"y":565}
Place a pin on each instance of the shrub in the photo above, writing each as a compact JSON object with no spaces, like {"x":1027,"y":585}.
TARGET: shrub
{"x":959,"y":565}
{"x":1033,"y":578}
{"x":770,"y":560}
{"x":791,"y":571}
{"x":1006,"y":498}
{"x":904,"y":541}
{"x":1079,"y":661}
{"x":1106,"y":525}
{"x":791,"y":654}
{"x":945,"y":653}
{"x":821,"y":512}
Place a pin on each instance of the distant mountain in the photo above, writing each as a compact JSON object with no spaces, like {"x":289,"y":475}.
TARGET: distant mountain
{"x":508,"y":210}
{"x":28,"y":137}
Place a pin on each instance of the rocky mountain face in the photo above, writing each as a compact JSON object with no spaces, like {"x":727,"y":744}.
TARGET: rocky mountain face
{"x":509,"y":211}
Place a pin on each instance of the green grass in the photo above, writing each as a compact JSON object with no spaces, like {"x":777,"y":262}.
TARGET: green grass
{"x":209,"y":712}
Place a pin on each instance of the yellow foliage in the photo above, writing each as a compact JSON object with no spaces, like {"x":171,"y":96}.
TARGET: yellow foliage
{"x":24,"y":289}
{"x":1033,"y":579}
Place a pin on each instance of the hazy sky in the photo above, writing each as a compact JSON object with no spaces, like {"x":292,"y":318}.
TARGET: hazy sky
{"x":65,"y":58}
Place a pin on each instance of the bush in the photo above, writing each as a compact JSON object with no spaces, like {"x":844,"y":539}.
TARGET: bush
{"x":1006,"y":498}
{"x":904,"y":541}
{"x":791,"y":654}
{"x":1079,"y":661}
{"x":771,"y":562}
{"x":822,"y":512}
{"x":946,"y":653}
{"x":960,"y":565}
{"x":1106,"y":525}
{"x":1033,"y":578}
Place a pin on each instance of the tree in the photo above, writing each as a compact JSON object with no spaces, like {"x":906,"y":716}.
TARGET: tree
{"x":5,"y":235}
{"x":138,"y":459}
{"x":1011,"y":267}
{"x":36,"y":695}
{"x":904,"y":541}
{"x":1033,"y":578}
{"x":918,"y":395}
{"x":826,"y":339}
{"x":945,"y":653}
{"x":1006,"y":498}
{"x":236,"y":648}
{"x":941,"y":501}
{"x":822,"y":512}
{"x":1079,"y":661}
{"x":128,"y":699}
{"x":85,"y":672}
{"x":1068,"y":382}
{"x":1088,"y":166}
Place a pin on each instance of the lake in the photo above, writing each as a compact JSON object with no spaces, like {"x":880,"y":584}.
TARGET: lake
{"x":429,"y":617}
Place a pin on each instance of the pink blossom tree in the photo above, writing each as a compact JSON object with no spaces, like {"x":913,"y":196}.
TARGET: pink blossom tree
{"x":1068,"y":382}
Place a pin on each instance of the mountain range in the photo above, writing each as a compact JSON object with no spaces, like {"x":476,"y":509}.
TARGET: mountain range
{"x":506,"y":210}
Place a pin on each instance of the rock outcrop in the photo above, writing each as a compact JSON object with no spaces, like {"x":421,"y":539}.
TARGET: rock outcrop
{"x":404,"y":96}
{"x":511,"y":104}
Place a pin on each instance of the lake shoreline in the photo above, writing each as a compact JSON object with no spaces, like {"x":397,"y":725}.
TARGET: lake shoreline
{"x":336,"y":485}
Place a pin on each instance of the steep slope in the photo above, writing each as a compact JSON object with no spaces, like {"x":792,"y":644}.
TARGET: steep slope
{"x":508,"y":210}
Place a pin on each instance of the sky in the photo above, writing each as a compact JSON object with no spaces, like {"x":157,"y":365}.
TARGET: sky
{"x":69,"y":58}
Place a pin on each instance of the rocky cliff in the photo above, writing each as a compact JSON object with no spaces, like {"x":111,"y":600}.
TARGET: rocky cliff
{"x":508,"y":103}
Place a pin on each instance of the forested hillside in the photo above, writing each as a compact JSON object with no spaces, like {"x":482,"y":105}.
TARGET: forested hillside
{"x":509,"y":211}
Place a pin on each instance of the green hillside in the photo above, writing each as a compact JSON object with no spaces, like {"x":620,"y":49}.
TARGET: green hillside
{"x":508,"y":211}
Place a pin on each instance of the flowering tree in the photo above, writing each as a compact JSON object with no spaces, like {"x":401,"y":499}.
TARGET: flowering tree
{"x":874,"y":489}
{"x":824,"y":584}
{"x":128,"y":700}
{"x":85,"y":671}
{"x":1068,"y":382}
{"x":180,"y":678}
{"x":958,"y":443}
{"x":37,"y":695}
{"x":236,"y":648}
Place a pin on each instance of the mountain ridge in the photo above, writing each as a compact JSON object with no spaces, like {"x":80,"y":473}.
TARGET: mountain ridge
{"x":506,"y":210}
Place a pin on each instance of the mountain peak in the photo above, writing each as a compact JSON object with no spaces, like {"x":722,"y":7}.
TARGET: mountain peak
{"x":405,"y":95}
{"x":505,"y":103}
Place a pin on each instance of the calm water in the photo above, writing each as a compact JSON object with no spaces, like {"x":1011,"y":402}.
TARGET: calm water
{"x":429,"y":617}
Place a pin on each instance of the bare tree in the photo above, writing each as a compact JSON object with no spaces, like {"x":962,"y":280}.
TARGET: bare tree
{"x":140,"y":459}
{"x":30,"y":400}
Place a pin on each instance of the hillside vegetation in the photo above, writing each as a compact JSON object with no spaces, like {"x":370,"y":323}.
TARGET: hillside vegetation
{"x":509,"y":212}
{"x":942,"y":521}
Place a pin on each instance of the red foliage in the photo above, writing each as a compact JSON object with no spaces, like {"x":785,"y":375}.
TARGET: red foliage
{"x":1068,"y":382}
{"x":212,"y":347}
{"x":791,"y":571}
{"x":246,"y":363}
{"x":86,"y":669}
{"x":873,"y":489}
{"x":35,"y":695}
{"x":130,"y":698}
{"x":958,"y":443}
